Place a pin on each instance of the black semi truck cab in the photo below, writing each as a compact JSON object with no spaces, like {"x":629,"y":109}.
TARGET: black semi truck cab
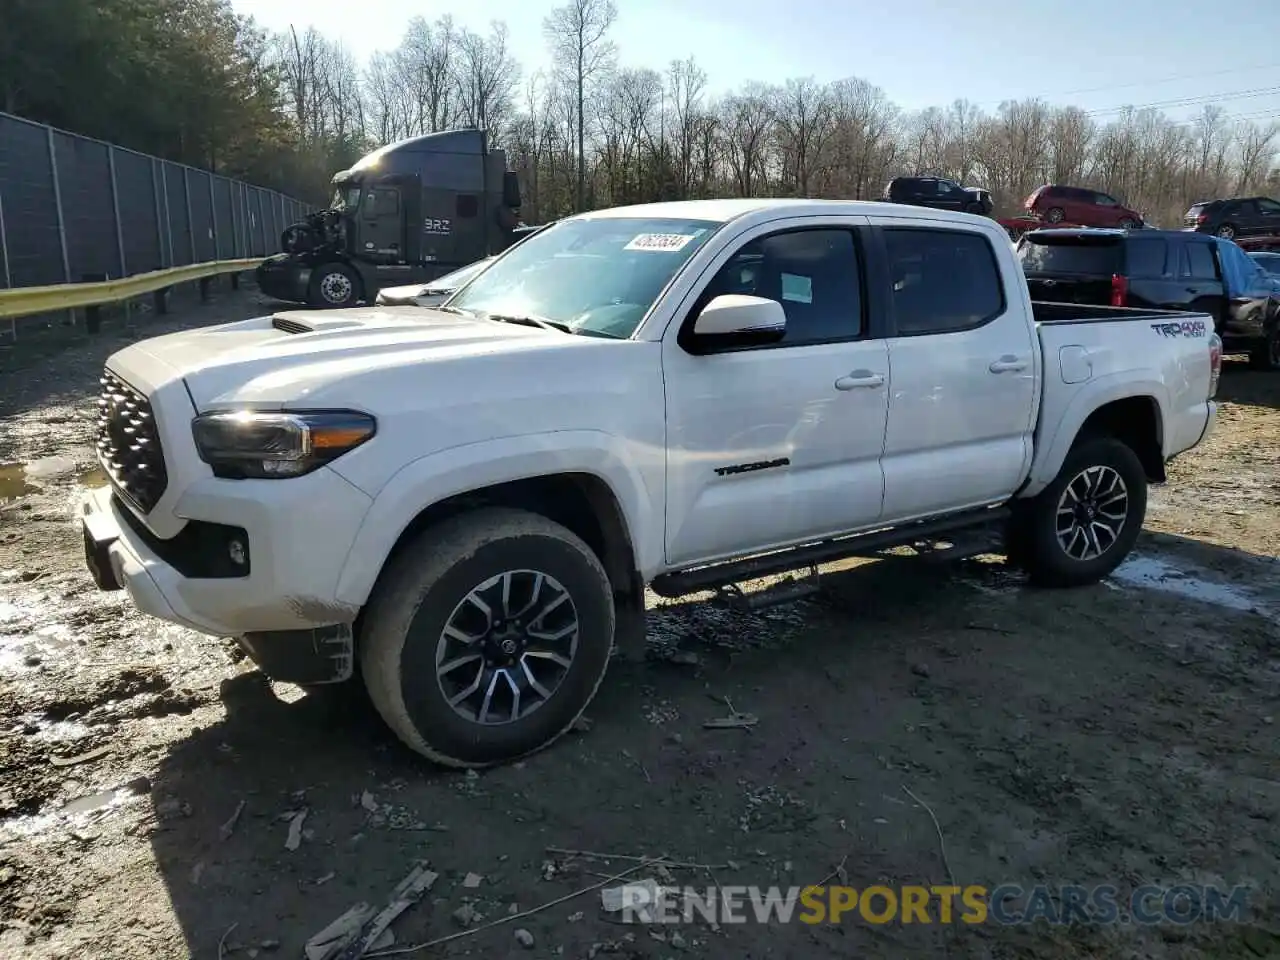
{"x":406,"y":213}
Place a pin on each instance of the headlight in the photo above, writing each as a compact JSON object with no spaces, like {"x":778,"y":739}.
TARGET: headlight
{"x":245,"y":444}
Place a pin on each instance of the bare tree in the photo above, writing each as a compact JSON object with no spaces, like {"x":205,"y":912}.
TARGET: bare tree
{"x":578,"y":35}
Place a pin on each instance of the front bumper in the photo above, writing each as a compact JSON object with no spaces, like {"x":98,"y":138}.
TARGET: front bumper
{"x":299,"y":532}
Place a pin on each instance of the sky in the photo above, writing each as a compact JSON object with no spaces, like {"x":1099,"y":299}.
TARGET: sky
{"x":1096,"y":54}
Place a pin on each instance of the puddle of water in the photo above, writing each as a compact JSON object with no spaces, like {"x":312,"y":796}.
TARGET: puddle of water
{"x":79,"y":813}
{"x":1185,"y":580}
{"x":14,"y":483}
{"x":17,"y":479}
{"x":93,"y":478}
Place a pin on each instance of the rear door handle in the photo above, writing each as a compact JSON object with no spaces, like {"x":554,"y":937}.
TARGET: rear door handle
{"x":860,"y":378}
{"x":1007,"y":364}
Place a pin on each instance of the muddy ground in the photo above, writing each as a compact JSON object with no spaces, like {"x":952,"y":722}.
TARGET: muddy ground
{"x":1122,"y":734}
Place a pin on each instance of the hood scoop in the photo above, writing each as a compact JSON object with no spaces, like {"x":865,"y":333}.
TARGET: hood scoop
{"x":289,"y":325}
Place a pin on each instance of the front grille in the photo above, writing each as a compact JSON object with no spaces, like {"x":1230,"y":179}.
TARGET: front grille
{"x":129,"y":444}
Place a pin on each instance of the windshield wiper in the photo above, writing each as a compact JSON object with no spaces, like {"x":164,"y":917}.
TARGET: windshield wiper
{"x":530,"y":321}
{"x":458,"y":311}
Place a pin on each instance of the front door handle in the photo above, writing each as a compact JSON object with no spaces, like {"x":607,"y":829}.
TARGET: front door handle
{"x":1008,"y":364}
{"x":860,"y":378}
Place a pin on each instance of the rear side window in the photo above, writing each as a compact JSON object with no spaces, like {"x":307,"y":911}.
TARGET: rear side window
{"x":1148,"y":258}
{"x":1196,"y":209}
{"x":1197,"y":262}
{"x":1088,"y":257}
{"x":943,"y":280}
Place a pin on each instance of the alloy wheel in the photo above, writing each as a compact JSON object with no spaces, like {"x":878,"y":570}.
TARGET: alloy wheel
{"x":507,"y":646}
{"x":1092,"y":512}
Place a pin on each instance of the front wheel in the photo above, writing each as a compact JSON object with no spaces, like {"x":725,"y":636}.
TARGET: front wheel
{"x":1083,"y":525}
{"x":334,"y":285}
{"x":487,"y":637}
{"x":1127,"y":224}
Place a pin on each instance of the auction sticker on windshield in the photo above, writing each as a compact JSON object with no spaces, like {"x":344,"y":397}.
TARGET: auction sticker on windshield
{"x":660,"y":241}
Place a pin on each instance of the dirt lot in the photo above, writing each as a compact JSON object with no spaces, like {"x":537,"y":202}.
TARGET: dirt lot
{"x":1123,"y":734}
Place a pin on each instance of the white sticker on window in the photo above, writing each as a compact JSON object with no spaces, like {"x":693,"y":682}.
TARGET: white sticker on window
{"x":663,"y":242}
{"x":796,"y":288}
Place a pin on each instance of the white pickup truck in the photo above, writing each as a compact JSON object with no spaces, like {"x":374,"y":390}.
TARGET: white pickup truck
{"x":465,"y":504}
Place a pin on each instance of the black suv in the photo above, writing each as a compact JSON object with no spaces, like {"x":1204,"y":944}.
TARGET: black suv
{"x":938,"y":193}
{"x":1236,"y":217}
{"x":1160,"y":269}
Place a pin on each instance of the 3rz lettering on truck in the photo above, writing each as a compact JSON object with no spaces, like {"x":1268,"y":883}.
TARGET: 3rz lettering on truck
{"x":464,"y":504}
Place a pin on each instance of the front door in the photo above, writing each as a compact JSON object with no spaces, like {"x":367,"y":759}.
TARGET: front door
{"x":965,"y":376}
{"x":776,"y":445}
{"x":381,"y":237}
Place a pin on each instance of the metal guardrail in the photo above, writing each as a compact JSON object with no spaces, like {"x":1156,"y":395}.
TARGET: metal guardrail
{"x":29,"y":301}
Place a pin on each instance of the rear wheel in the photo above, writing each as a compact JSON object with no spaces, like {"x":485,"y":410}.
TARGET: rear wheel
{"x":1227,"y":231}
{"x":1083,"y":525}
{"x":1127,"y":224}
{"x":334,"y":285}
{"x":487,"y":637}
{"x":1055,"y":215}
{"x":1266,"y":356}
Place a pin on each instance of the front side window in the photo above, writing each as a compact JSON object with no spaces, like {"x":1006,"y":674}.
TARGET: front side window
{"x":814,"y":274}
{"x":943,"y":280}
{"x":594,"y":276}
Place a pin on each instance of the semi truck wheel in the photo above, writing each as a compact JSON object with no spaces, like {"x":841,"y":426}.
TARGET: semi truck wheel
{"x":1083,"y":525}
{"x":487,"y":637}
{"x":334,"y":285}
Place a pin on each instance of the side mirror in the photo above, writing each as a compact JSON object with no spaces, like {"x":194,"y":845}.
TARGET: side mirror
{"x":511,"y":191}
{"x":735,"y":320}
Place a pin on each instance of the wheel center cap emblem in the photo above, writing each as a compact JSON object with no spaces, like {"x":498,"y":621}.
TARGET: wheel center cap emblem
{"x":508,"y":646}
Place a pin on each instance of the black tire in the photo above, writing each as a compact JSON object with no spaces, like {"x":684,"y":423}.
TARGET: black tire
{"x":419,"y":595}
{"x":976,"y":208}
{"x":1055,"y":215}
{"x":1127,"y":224}
{"x":1036,"y":540}
{"x":334,"y":285}
{"x":1266,"y":355}
{"x":1226,"y":232}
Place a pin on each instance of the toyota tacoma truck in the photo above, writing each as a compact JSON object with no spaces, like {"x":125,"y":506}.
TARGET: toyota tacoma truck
{"x":463,"y":505}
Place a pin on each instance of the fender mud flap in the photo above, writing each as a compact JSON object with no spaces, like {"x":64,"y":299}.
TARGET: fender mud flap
{"x":316,"y":656}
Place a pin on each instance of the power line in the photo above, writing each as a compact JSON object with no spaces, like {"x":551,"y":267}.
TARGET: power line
{"x":1152,"y":83}
{"x":1206,"y":99}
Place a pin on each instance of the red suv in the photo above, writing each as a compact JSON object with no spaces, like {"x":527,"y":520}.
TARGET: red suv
{"x":1088,"y":208}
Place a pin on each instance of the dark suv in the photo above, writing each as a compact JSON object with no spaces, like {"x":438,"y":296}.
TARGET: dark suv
{"x":1235,"y":217}
{"x":1161,"y":269}
{"x":939,"y":194}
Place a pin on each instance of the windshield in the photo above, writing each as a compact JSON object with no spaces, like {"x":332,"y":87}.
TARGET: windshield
{"x":596,"y":276}
{"x":346,"y":198}
{"x":452,"y":281}
{"x":1070,"y":255}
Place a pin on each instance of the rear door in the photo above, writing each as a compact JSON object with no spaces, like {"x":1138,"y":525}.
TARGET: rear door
{"x":1268,"y":216}
{"x":1151,"y":272}
{"x":1245,"y":216}
{"x":963,"y":360}
{"x":1071,"y":267}
{"x":1202,"y":279}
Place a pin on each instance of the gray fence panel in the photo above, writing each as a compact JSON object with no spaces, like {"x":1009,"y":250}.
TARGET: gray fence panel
{"x":139,"y":221}
{"x":33,"y":247}
{"x":223,"y":224}
{"x":173,"y":177}
{"x":202,"y":215}
{"x":65,"y":217}
{"x":88,"y":211}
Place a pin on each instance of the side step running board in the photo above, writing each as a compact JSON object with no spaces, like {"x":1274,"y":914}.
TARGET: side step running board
{"x":684,"y":582}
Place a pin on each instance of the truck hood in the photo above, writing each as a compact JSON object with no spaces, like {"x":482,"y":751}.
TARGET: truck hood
{"x":292,"y":355}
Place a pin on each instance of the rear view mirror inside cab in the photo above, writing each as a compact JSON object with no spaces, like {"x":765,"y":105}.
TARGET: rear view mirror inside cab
{"x":736,"y":320}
